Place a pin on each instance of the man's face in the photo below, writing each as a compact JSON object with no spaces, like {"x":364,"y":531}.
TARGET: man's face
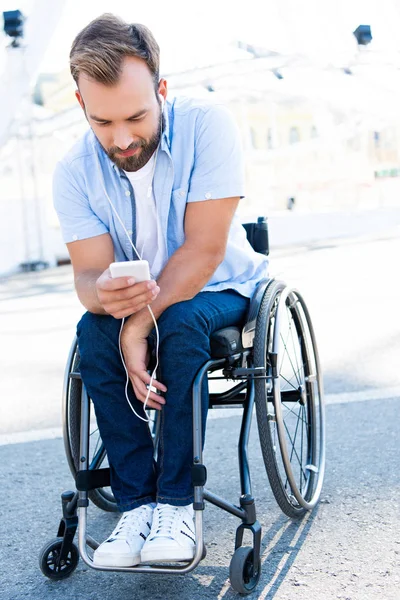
{"x":126,"y":118}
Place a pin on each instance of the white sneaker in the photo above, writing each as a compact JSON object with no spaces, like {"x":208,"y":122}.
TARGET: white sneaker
{"x":122,"y":548}
{"x":172,"y":535}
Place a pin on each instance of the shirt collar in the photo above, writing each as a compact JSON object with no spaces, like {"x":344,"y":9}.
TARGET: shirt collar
{"x":167,"y":114}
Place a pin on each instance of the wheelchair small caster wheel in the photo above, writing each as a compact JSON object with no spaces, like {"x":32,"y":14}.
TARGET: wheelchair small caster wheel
{"x":243,"y":580}
{"x":48,"y":560}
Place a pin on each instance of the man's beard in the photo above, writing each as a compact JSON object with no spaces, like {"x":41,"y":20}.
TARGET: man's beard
{"x":137,"y":161}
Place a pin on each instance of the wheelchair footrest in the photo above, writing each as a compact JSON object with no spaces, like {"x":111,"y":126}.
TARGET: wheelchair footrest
{"x":92,"y":479}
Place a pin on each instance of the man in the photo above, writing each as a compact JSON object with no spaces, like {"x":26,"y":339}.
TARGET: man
{"x":167,"y":176}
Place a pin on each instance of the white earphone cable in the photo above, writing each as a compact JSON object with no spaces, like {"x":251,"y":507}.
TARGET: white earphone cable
{"x":153,"y":374}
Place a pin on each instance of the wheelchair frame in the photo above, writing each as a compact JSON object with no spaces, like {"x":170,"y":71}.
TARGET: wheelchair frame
{"x":246,"y":512}
{"x":90,"y":477}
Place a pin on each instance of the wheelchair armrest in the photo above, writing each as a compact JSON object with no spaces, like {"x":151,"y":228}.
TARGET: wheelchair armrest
{"x":249,"y":329}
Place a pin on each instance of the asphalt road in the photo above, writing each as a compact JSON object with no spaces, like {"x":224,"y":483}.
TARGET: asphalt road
{"x":348,"y":548}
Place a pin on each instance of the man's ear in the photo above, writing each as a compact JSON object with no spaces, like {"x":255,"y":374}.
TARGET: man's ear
{"x":163,"y":88}
{"x":79,"y":98}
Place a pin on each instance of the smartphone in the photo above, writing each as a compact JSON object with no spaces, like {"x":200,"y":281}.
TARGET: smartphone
{"x":139,"y":269}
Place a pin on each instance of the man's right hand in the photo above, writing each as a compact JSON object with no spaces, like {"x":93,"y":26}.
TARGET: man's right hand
{"x":121,"y":296}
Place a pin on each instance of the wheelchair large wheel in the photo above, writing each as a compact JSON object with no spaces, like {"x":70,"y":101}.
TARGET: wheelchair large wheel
{"x":101,"y":497}
{"x":289,"y":401}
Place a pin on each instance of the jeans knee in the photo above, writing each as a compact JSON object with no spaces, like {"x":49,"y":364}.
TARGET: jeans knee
{"x":92,"y":326}
{"x":88,"y":323}
{"x":181,"y":317}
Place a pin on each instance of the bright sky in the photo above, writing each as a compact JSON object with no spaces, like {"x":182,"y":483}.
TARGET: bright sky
{"x":191,"y":33}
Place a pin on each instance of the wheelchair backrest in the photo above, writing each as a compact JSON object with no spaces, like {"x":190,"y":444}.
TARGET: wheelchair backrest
{"x":257,"y":234}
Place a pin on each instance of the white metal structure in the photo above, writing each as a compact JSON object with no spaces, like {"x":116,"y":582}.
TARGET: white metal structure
{"x":20,"y":67}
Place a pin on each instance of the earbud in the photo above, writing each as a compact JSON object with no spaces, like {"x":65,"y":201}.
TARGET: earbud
{"x":162,"y":101}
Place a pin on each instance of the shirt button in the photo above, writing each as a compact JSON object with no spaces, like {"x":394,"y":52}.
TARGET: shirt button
{"x":207,"y":195}
{"x":74,"y":237}
{"x":182,"y":193}
{"x":127,"y":193}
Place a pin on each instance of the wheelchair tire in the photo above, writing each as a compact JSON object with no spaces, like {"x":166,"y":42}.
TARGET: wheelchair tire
{"x":243,"y":579}
{"x":103,"y":498}
{"x":289,"y":402}
{"x":49,"y":556}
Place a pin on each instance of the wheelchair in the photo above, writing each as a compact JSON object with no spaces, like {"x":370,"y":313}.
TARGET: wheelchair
{"x":272,"y":364}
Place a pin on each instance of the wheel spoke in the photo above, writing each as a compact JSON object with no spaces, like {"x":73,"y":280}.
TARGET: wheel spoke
{"x":97,"y":445}
{"x":301,"y":447}
{"x":289,"y":380}
{"x":294,"y":439}
{"x":294,"y":345}
{"x":303,"y":422}
{"x":295,"y":451}
{"x":294,"y":413}
{"x":284,"y":342}
{"x":287,"y":354}
{"x":290,"y":333}
{"x":284,"y":345}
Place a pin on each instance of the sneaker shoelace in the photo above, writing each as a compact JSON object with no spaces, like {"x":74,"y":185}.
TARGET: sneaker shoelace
{"x":129,"y":524}
{"x":166,"y":516}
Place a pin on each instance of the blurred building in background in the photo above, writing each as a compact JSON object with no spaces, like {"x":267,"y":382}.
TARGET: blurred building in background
{"x":315,"y":139}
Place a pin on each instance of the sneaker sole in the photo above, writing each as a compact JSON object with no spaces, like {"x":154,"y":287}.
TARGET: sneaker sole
{"x":116,"y":561}
{"x":166,"y":555}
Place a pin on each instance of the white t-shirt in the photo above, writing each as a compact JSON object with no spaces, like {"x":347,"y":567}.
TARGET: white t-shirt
{"x":149,"y":241}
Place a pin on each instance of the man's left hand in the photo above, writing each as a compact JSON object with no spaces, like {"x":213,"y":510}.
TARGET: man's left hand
{"x":135,"y":348}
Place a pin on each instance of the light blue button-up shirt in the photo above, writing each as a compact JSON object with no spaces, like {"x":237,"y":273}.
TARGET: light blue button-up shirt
{"x":200,"y":158}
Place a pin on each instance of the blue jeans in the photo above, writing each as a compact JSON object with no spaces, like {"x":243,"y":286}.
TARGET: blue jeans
{"x":185,"y":330}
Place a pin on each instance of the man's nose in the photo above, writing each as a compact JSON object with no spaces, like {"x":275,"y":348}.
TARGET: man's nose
{"x":122,"y":139}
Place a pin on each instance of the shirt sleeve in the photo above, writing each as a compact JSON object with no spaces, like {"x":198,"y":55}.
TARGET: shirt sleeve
{"x":218,"y":169}
{"x":77,"y":219}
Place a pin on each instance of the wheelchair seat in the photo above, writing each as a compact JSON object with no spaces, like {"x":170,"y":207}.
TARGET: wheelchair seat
{"x":226,"y":342}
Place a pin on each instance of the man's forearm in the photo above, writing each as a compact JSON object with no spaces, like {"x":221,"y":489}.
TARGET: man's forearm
{"x":184,"y":276}
{"x":85,"y":285}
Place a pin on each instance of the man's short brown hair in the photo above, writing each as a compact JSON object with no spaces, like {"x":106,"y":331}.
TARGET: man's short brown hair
{"x":100,"y":48}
